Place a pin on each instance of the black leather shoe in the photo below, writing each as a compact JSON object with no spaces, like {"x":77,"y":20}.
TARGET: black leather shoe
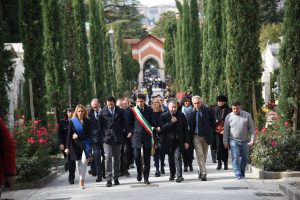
{"x":219,"y":165}
{"x":191,"y":168}
{"x":127,"y":173}
{"x":179,"y":179}
{"x":225,"y":165}
{"x":162,"y":170}
{"x":91,"y":172}
{"x":172,"y":178}
{"x":103,"y":175}
{"x":139,"y":177}
{"x":71,"y":181}
{"x":116,"y":182}
{"x":203,"y":178}
{"x":109,"y":183}
{"x":157,"y":174}
{"x":99,"y":179}
{"x":146,"y":181}
{"x":185,"y":169}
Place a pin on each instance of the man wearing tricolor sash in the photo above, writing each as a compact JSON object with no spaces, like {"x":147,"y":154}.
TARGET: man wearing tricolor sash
{"x":140,"y":132}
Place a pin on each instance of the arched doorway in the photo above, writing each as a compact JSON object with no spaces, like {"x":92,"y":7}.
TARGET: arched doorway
{"x":151,"y":69}
{"x":148,"y":52}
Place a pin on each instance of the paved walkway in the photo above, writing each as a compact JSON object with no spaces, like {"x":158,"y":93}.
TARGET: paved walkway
{"x":220,"y":185}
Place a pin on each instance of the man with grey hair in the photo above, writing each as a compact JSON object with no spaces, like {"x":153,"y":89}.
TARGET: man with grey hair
{"x":201,"y":124}
{"x":175,"y":133}
{"x":97,"y":167}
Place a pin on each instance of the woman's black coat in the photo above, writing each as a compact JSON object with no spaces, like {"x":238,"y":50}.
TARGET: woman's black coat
{"x":75,"y":146}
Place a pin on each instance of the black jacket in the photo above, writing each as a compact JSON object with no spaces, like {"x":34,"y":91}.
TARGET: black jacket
{"x":96,"y":134}
{"x":179,"y":128}
{"x":75,"y":146}
{"x":207,"y":122}
{"x":63,"y":131}
{"x":112,"y":126}
{"x":139,"y":134}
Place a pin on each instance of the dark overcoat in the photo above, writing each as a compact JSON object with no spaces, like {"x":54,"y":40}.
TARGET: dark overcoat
{"x":112,"y":126}
{"x":75,"y":146}
{"x":169,"y":130}
{"x":139,"y":134}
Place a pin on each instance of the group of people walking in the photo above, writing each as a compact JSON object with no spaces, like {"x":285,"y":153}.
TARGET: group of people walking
{"x":112,"y":137}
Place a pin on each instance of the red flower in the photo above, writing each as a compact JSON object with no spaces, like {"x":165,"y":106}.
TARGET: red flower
{"x":17,"y":117}
{"x":43,"y":130}
{"x":39,"y":133}
{"x":264,"y":130}
{"x":30,"y":140}
{"x":36,"y":122}
{"x":256,"y":131}
{"x":273,"y":143}
{"x":42,"y":141}
{"x":287,"y":124}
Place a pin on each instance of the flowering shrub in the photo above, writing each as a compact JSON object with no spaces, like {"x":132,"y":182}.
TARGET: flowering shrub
{"x":33,"y":160}
{"x":276,"y":147}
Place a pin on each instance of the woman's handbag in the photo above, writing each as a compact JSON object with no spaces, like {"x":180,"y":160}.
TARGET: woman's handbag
{"x":67,"y":163}
{"x":220,"y":127}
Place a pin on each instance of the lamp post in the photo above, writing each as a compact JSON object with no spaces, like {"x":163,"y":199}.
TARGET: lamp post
{"x":112,"y":48}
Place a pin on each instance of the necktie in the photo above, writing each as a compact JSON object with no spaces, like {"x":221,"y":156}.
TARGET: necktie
{"x":97,"y":115}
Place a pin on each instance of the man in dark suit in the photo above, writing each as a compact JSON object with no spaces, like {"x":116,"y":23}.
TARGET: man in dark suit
{"x":140,"y":136}
{"x":97,"y":167}
{"x":175,"y":133}
{"x":62,"y":139}
{"x":201,"y":126}
{"x":126,"y":150}
{"x":112,"y":123}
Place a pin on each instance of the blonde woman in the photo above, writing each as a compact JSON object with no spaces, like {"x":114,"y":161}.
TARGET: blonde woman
{"x":78,"y":141}
{"x":158,"y":157}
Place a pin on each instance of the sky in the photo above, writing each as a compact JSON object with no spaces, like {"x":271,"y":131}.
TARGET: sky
{"x":155,"y":2}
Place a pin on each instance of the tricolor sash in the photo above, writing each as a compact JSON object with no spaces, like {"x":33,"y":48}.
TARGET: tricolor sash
{"x":145,"y":124}
{"x":142,"y":120}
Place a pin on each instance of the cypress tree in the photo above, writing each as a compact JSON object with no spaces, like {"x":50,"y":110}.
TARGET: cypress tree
{"x":10,"y":30}
{"x":213,"y":48}
{"x":195,"y":47}
{"x":243,"y":63}
{"x":53,"y":53}
{"x":267,"y":11}
{"x":73,"y":76}
{"x":6,"y":70}
{"x":108,"y":77}
{"x":290,"y":64}
{"x":96,"y":49}
{"x":85,"y":91}
{"x":31,"y":26}
{"x":133,"y":68}
{"x":186,"y":49}
{"x":222,"y":85}
{"x":204,"y":81}
{"x":169,"y":44}
{"x":119,"y":73}
{"x":178,"y":50}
